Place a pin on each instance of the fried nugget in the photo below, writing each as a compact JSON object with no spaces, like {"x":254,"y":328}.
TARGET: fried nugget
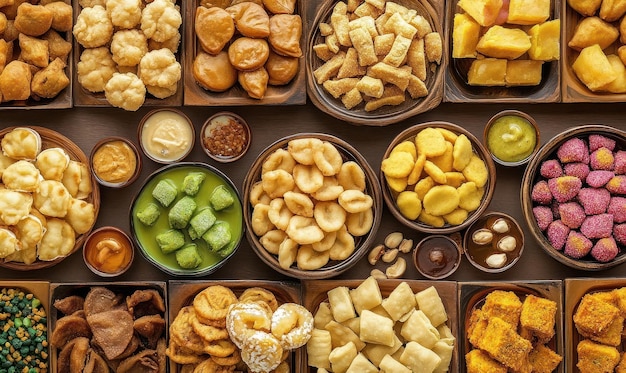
{"x":593,"y":316}
{"x":543,"y":359}
{"x":505,"y":305}
{"x":538,"y":315}
{"x":503,"y":343}
{"x":596,"y":358}
{"x":51,"y":80}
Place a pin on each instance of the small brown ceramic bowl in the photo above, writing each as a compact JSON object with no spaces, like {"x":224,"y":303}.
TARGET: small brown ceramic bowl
{"x":225,"y":137}
{"x":115,"y":162}
{"x":512,"y":137}
{"x":438,"y":225}
{"x":437,"y":256}
{"x":108,"y":251}
{"x":494,"y":233}
{"x":166,"y":135}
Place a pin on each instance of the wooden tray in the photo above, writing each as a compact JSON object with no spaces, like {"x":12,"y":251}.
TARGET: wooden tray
{"x":472,"y":295}
{"x":183,"y":293}
{"x":293,"y":93}
{"x":51,"y":139}
{"x":457,"y":89}
{"x":85,"y":98}
{"x":433,"y":11}
{"x":315,"y":292}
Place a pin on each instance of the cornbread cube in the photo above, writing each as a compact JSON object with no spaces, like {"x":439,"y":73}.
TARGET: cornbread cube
{"x":501,"y":341}
{"x":478,"y":361}
{"x":543,"y":359}
{"x":528,"y":12}
{"x":221,"y":198}
{"x":476,"y":326}
{"x":200,"y":223}
{"x":487,"y":72}
{"x":503,"y":304}
{"x":149,"y":215}
{"x":523,"y":73}
{"x":612,"y":335}
{"x":619,"y":296}
{"x":218,"y":237}
{"x":621,"y":367}
{"x":165,"y":192}
{"x":619,"y":84}
{"x":484,"y":12}
{"x":593,"y":316}
{"x":596,"y":358}
{"x":465,"y":36}
{"x":538,"y":315}
{"x":170,"y":240}
{"x":502,"y":42}
{"x":593,"y":68}
{"x":181,"y":212}
{"x":545,"y":41}
{"x":192,"y":183}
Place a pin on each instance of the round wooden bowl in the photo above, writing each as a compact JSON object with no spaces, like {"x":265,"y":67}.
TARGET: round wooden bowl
{"x":362,"y":243}
{"x":387,"y":114}
{"x":532,"y":176}
{"x":390,"y":196}
{"x":53,"y":139}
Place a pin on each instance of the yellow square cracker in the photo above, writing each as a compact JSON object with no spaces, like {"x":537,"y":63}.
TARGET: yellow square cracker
{"x":339,"y":22}
{"x":422,"y":25}
{"x":478,"y":361}
{"x":587,"y":317}
{"x":390,"y":74}
{"x":366,"y":23}
{"x":416,"y":87}
{"x":323,"y":52}
{"x":371,"y":87}
{"x":399,"y":26}
{"x":383,"y":44}
{"x":416,"y":58}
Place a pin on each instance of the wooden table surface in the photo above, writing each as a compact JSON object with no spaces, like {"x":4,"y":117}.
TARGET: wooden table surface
{"x":86,"y":126}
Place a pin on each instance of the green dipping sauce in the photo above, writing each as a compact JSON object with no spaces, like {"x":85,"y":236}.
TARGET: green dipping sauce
{"x":511,"y":138}
{"x":146,"y":234}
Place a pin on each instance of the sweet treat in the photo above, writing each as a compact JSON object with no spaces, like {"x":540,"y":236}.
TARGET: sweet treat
{"x":617,"y":208}
{"x":292,"y":324}
{"x":605,"y":250}
{"x":160,"y":20}
{"x":251,"y":20}
{"x":573,"y":150}
{"x":597,"y":141}
{"x":254,"y":82}
{"x":93,"y":27}
{"x":578,"y":169}
{"x":244,"y":318}
{"x":551,"y":169}
{"x":15,"y":80}
{"x":557,"y":234}
{"x":572,"y":214}
{"x":577,"y":245}
{"x":128,"y":47}
{"x":599,"y":178}
{"x":125,"y":14}
{"x":33,"y":20}
{"x":543,"y":216}
{"x":541,"y":193}
{"x":285,"y":32}
{"x":280,"y":69}
{"x":564,"y":188}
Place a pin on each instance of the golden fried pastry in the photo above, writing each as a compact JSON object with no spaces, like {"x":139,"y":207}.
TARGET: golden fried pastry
{"x":15,"y":81}
{"x":285,"y":32}
{"x":93,"y":27}
{"x":251,"y":19}
{"x":212,"y":303}
{"x":3,"y":23}
{"x":262,"y":352}
{"x":61,"y":15}
{"x":214,"y":73}
{"x":33,"y":50}
{"x":248,"y":54}
{"x":214,"y":28}
{"x":160,"y":20}
{"x":57,"y":46}
{"x":257,"y":294}
{"x":254,"y":82}
{"x":51,"y":80}
{"x":10,"y":32}
{"x":292,"y":324}
{"x":280,"y":6}
{"x":33,"y":20}
{"x":125,"y":91}
{"x":128,"y":47}
{"x":95,"y":68}
{"x":245,"y":318}
{"x":125,"y":14}
{"x":281,"y":69}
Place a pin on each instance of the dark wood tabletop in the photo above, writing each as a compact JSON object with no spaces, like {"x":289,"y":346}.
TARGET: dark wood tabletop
{"x":85,"y":126}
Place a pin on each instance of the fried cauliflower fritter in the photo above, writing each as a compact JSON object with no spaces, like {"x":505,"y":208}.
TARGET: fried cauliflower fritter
{"x":128,"y":47}
{"x":159,"y":68}
{"x":125,"y":91}
{"x":125,"y":14}
{"x":93,"y":27}
{"x":95,"y":68}
{"x":160,"y":20}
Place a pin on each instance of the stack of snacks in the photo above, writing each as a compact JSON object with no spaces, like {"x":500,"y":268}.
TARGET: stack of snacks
{"x":221,"y":331}
{"x":507,"y":333}
{"x":357,"y":330}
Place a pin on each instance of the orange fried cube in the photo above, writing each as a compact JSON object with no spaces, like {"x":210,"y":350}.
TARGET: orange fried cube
{"x":593,"y":315}
{"x":543,"y":359}
{"x":538,"y":315}
{"x":503,"y":304}
{"x":479,"y":362}
{"x":596,"y":358}
{"x":501,"y":342}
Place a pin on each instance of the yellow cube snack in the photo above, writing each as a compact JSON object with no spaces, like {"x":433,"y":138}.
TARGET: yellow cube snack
{"x":503,"y":343}
{"x":545,"y":42}
{"x":523,"y":73}
{"x":593,"y":68}
{"x":528,"y":12}
{"x":591,"y":31}
{"x":595,"y":357}
{"x":484,"y":12}
{"x":502,"y":42}
{"x":454,"y":179}
{"x":479,"y":362}
{"x":465,"y":36}
{"x":487,"y":72}
{"x":409,"y":204}
{"x":619,"y":84}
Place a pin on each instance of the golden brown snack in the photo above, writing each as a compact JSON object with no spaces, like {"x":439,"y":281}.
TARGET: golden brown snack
{"x":57,"y":46}
{"x":33,"y":50}
{"x":281,"y":69}
{"x":51,"y":80}
{"x":280,"y":6}
{"x":33,"y":20}
{"x":15,"y":81}
{"x":214,"y":28}
{"x":254,"y":82}
{"x":251,"y":19}
{"x":248,"y":54}
{"x":285,"y":32}
{"x":61,"y":15}
{"x":214,"y":73}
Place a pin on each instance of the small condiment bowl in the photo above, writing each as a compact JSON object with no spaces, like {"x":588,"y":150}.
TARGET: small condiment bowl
{"x":526,"y":119}
{"x":437,"y":256}
{"x":477,"y":254}
{"x":90,"y":250}
{"x":128,"y":146}
{"x":184,"y":134}
{"x":229,"y":122}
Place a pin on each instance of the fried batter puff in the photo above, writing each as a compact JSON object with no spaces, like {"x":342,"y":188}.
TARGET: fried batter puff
{"x":213,"y":302}
{"x":214,"y":28}
{"x":247,"y":54}
{"x":543,"y":359}
{"x":285,"y":32}
{"x":251,"y":19}
{"x":214,"y":73}
{"x":33,"y":20}
{"x":479,"y":362}
{"x":51,"y":80}
{"x":280,"y":6}
{"x":281,"y":69}
{"x":254,"y":82}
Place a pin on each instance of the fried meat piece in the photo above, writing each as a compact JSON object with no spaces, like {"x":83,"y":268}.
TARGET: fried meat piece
{"x":112,"y":331}
{"x":503,"y":343}
{"x":68,"y":328}
{"x":150,"y":327}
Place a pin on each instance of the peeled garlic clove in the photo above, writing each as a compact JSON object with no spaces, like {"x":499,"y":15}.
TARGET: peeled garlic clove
{"x":507,"y":243}
{"x":500,"y":226}
{"x":482,"y":236}
{"x":496,"y":260}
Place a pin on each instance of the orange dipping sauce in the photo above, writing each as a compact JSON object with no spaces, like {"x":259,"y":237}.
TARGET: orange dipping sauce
{"x":108,"y":250}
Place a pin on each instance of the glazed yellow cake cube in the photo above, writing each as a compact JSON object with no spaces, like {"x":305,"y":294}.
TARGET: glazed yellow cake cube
{"x":545,"y":41}
{"x":528,"y":12}
{"x":484,"y":12}
{"x":465,"y":36}
{"x":502,"y":42}
{"x":487,"y":72}
{"x":619,"y":84}
{"x":523,"y":72}
{"x":593,"y":68}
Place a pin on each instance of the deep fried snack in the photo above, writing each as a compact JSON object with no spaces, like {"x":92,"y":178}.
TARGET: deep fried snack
{"x":503,"y":304}
{"x":67,"y":328}
{"x":125,"y":91}
{"x":248,"y":54}
{"x":15,"y":81}
{"x":292,"y":324}
{"x":57,"y":46}
{"x":251,"y":19}
{"x":61,"y":15}
{"x":51,"y":80}
{"x":280,"y":6}
{"x":93,"y":27}
{"x":214,"y":73}
{"x":258,"y":294}
{"x":503,"y":343}
{"x":586,"y":317}
{"x":285,"y":33}
{"x":281,"y":69}
{"x":212,"y":303}
{"x":95,"y":68}
{"x":125,"y":14}
{"x":160,"y":20}
{"x":128,"y":47}
{"x":112,"y":330}
{"x":33,"y":20}
{"x":33,"y":50}
{"x":262,"y":352}
{"x":539,"y":316}
{"x":594,"y":357}
{"x":214,"y":28}
{"x":254,"y":82}
{"x":181,"y":330}
{"x":245,"y":318}
{"x":159,"y":68}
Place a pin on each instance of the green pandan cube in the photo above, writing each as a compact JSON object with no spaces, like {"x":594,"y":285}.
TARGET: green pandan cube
{"x":218,"y":236}
{"x":188,"y":257}
{"x":149,"y":215}
{"x":181,"y":212}
{"x":170,"y":241}
{"x":221,"y":198}
{"x":192,"y":183}
{"x":200,"y":223}
{"x":165,"y":192}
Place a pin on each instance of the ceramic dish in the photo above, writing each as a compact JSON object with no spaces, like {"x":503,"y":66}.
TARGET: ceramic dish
{"x":433,"y":12}
{"x":472,"y":295}
{"x":575,"y":289}
{"x":361,"y":243}
{"x":293,"y":93}
{"x":457,"y":89}
{"x":144,"y":236}
{"x":183,"y":293}
{"x":478,"y":149}
{"x":123,"y":291}
{"x":120,"y":150}
{"x":108,"y":252}
{"x":315,"y":292}
{"x":532,"y":176}
{"x":53,"y":139}
{"x":437,"y":256}
{"x":228,"y":130}
{"x":166,"y":135}
{"x":508,"y":120}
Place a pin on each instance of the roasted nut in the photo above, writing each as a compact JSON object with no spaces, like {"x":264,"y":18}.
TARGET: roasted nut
{"x":507,"y":243}
{"x":406,"y":245}
{"x":393,"y":240}
{"x":496,"y":260}
{"x":397,"y":269}
{"x":378,"y":274}
{"x":482,"y":236}
{"x":390,"y":255}
{"x":375,"y":254}
{"x":500,"y":226}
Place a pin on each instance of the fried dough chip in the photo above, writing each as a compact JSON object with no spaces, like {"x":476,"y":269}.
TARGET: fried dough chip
{"x":430,"y":142}
{"x":441,"y":200}
{"x":212,"y":303}
{"x":112,"y":330}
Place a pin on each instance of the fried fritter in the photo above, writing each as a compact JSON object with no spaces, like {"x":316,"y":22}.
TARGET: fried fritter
{"x":70,"y":304}
{"x":112,"y":331}
{"x":503,"y":343}
{"x":68,"y":328}
{"x":586,"y":317}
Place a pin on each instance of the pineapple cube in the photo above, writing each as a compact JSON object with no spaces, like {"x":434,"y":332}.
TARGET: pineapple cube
{"x":528,"y":12}
{"x":619,"y":84}
{"x":465,"y":36}
{"x":523,"y":72}
{"x":593,"y":68}
{"x":502,"y":42}
{"x":545,"y":41}
{"x":484,"y":12}
{"x":487,"y":72}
